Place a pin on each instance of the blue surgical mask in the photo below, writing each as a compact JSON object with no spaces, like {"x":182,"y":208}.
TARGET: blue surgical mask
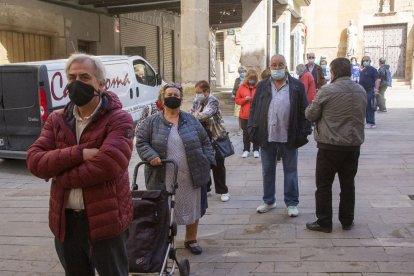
{"x":278,"y":74}
{"x":200,"y":97}
{"x":323,"y":66}
{"x":242,"y":75}
{"x":366,"y":63}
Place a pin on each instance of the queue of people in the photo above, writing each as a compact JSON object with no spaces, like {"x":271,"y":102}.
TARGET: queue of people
{"x":90,"y":200}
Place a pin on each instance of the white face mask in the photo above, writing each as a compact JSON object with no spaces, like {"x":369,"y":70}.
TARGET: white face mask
{"x":200,"y":97}
{"x":278,"y":74}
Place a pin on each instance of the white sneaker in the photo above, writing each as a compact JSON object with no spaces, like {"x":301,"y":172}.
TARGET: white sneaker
{"x":264,"y":207}
{"x":225,"y":197}
{"x":245,"y":154}
{"x":256,"y":154}
{"x":292,"y":211}
{"x":373,"y":126}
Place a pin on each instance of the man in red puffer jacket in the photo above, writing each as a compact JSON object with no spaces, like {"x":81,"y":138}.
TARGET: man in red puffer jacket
{"x":85,"y":149}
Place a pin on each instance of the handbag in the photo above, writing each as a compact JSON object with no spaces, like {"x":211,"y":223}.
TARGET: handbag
{"x":236,"y":110}
{"x":374,"y":103}
{"x":223,"y":146}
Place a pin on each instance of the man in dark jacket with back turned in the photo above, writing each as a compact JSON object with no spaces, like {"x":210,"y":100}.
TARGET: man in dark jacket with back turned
{"x":339,"y":111}
{"x":277,"y":123}
{"x":85,"y":149}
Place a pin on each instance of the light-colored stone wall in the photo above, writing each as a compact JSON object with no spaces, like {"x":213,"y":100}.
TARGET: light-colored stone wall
{"x":64,"y":25}
{"x":232,"y":56}
{"x":327,"y":21}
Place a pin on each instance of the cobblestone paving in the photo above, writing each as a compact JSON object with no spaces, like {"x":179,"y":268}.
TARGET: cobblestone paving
{"x":238,"y":241}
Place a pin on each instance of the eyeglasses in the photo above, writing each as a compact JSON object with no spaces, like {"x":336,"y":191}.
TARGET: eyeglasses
{"x":174,"y":85}
{"x":311,"y":57}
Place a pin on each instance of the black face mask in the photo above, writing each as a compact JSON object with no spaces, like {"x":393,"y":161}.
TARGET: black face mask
{"x":81,"y":93}
{"x":172,"y":102}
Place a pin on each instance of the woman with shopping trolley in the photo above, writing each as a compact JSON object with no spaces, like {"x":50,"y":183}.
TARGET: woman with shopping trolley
{"x":177,"y":135}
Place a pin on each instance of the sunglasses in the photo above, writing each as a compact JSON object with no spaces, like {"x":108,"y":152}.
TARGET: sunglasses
{"x":173,"y":85}
{"x":311,"y":57}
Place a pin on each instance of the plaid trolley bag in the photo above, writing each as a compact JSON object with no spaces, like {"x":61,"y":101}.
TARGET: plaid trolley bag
{"x":152,"y":231}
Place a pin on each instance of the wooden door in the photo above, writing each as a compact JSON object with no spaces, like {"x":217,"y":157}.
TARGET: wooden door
{"x":21,"y":47}
{"x":390,"y":42}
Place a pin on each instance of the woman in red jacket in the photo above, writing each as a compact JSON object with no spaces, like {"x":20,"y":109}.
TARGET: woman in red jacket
{"x":244,"y":97}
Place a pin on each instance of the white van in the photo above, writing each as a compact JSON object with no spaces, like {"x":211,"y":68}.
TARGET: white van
{"x":30,"y":91}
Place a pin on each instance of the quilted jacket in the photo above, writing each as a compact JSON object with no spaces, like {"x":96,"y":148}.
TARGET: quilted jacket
{"x":339,"y":112}
{"x":152,"y":140}
{"x":104,"y":178}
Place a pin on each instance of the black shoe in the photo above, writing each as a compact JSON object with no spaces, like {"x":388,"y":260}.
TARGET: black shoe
{"x":314,"y":226}
{"x":193,"y":247}
{"x":347,"y":226}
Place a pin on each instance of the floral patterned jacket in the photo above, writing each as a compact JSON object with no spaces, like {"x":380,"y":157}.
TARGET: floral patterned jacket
{"x":209,"y":114}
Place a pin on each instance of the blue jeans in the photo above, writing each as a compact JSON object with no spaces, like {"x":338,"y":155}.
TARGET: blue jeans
{"x":290,"y":171}
{"x":370,"y":113}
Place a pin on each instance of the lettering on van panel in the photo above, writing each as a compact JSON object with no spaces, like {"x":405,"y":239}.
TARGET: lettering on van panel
{"x":116,"y":82}
{"x":56,"y":85}
{"x":56,"y":90}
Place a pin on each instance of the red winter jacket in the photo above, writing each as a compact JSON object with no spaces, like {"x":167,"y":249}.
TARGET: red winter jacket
{"x":309,"y":83}
{"x":241,"y":94}
{"x":104,"y":178}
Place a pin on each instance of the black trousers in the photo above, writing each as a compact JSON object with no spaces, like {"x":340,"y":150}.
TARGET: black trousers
{"x":219,"y":175}
{"x":246,"y":137}
{"x":328,"y":164}
{"x":80,"y":256}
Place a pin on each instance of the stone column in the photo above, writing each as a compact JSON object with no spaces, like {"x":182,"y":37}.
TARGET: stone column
{"x":194,"y":41}
{"x":253,"y":34}
{"x":412,"y":73}
{"x":286,"y":36}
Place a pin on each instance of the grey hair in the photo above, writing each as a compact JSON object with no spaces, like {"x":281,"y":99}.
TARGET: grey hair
{"x":80,"y":57}
{"x":300,"y":68}
{"x":281,"y":57}
{"x":242,"y":69}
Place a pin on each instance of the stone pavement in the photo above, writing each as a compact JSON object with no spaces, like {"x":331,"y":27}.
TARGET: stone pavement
{"x":238,"y":241}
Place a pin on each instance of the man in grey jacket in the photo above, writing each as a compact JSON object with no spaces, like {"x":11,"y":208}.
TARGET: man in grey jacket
{"x":338,"y":110}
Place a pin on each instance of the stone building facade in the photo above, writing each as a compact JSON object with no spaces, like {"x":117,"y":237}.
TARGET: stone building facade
{"x":385,"y":28}
{"x":35,"y":30}
{"x":38,"y":30}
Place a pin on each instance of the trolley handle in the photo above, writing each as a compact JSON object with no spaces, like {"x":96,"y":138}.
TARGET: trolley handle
{"x":134,"y":185}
